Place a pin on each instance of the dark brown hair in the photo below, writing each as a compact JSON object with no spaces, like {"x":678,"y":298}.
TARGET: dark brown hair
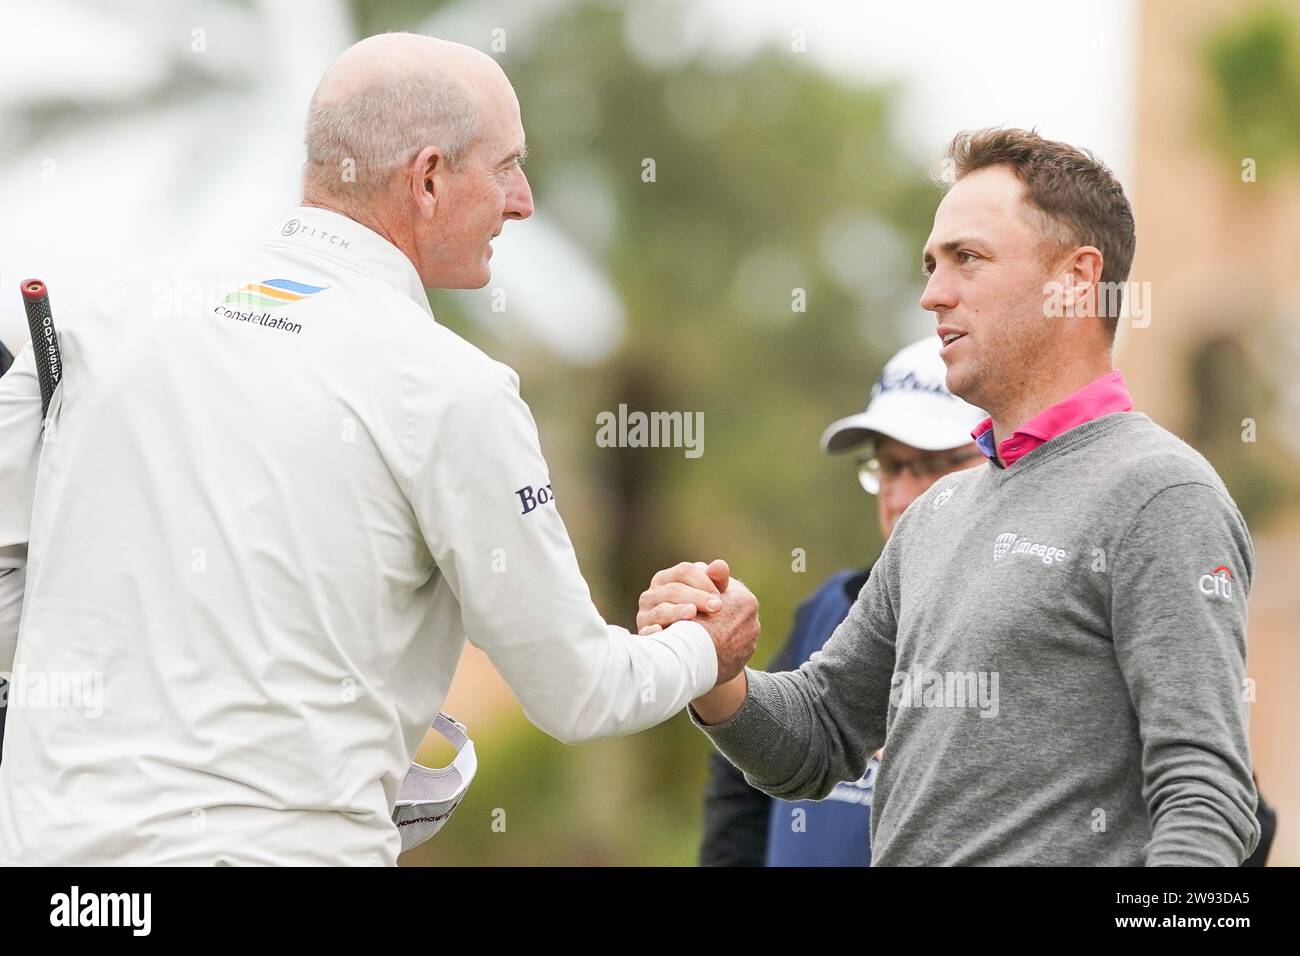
{"x":1081,"y":201}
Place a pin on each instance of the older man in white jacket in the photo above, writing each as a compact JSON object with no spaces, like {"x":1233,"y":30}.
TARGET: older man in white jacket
{"x":264,"y":519}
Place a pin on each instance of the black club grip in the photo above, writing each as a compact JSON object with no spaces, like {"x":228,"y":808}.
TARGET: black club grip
{"x":45,"y":341}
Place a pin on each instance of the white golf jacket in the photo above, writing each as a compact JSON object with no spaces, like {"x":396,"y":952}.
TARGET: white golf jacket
{"x":274,"y":499}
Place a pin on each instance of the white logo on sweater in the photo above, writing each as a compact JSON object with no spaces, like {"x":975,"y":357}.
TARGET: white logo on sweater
{"x":1010,"y":543}
{"x":1218,"y":583}
{"x":1002,"y":545}
{"x":942,"y":497}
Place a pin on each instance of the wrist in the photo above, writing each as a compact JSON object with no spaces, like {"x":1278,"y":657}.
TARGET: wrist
{"x":723,"y":702}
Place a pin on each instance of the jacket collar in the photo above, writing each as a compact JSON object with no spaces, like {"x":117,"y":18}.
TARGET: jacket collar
{"x":335,"y":236}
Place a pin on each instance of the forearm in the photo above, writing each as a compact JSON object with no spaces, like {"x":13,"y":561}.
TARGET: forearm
{"x":593,"y":680}
{"x":779,"y":740}
{"x":648,"y":681}
{"x":722,"y":703}
{"x":1196,"y":757}
{"x":1193,"y":828}
{"x":797,"y":734}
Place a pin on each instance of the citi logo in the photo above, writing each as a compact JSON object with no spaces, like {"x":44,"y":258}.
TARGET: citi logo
{"x":1218,"y":583}
{"x":1011,"y":543}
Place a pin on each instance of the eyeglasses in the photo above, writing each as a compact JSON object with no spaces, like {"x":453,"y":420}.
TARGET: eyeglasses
{"x":872,"y":471}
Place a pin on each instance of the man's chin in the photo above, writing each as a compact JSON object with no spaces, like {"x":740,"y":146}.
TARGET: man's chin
{"x":485,"y":271}
{"x":961,"y":381}
{"x":474,"y":281}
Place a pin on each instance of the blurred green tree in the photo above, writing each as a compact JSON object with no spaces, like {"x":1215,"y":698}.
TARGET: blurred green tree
{"x":1253,"y":66}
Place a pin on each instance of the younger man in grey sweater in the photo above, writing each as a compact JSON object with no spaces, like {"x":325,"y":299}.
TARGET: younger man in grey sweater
{"x":1054,"y":660}
{"x":1052,"y":646}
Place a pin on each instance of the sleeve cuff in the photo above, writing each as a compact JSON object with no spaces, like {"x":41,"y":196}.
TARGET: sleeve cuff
{"x":750,"y":725}
{"x":695,"y":641}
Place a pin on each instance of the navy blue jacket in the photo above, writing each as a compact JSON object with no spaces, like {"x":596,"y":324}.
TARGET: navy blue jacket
{"x":835,"y":831}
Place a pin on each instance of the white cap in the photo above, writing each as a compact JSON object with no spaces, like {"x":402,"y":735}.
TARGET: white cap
{"x":910,"y":403}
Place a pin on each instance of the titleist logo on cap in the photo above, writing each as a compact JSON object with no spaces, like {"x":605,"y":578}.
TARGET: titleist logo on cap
{"x":909,"y":380}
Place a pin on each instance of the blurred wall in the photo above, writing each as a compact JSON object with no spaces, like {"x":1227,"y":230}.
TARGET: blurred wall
{"x":1219,"y":252}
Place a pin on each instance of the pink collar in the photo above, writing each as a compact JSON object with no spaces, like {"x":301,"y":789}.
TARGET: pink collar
{"x":1104,"y":396}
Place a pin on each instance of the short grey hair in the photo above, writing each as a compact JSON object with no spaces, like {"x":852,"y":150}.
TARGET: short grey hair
{"x":356,"y":143}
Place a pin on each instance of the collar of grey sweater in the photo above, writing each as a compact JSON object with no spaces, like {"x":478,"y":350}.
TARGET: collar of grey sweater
{"x":1079,"y":435}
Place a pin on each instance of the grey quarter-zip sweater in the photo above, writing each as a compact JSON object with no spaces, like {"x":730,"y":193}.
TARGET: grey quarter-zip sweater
{"x":1053,"y":655}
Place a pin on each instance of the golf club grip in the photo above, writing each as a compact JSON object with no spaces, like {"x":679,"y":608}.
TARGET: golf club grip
{"x":45,"y":343}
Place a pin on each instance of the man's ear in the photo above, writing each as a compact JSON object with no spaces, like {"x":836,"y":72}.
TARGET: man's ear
{"x":428,"y":179}
{"x":1083,"y":282}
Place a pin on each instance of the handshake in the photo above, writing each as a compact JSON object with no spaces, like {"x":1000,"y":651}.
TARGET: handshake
{"x":724,"y":607}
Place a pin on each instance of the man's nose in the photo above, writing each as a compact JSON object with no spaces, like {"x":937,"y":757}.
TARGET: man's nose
{"x":520,"y":204}
{"x":938,"y":293}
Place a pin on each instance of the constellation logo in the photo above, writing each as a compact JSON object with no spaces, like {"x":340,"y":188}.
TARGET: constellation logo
{"x":1010,"y":543}
{"x":1218,"y":583}
{"x":273,"y":292}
